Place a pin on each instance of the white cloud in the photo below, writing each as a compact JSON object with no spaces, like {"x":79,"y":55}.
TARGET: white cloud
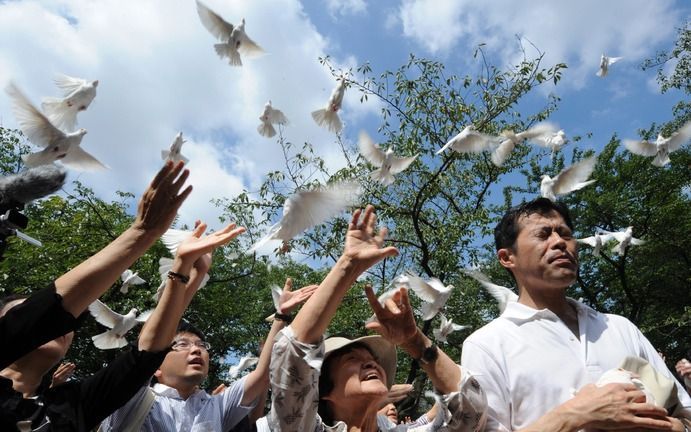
{"x":159,"y":75}
{"x":346,"y":7}
{"x":572,"y":32}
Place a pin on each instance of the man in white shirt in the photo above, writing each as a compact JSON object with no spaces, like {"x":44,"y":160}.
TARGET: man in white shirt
{"x":545,"y":347}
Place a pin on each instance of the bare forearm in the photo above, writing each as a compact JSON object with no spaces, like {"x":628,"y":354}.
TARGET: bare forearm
{"x":257,"y":381}
{"x":314,"y":317}
{"x":89,"y":280}
{"x":160,"y":328}
{"x":443,"y":372}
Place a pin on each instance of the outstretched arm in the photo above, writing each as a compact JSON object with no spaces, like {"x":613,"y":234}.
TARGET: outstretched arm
{"x":157,"y":208}
{"x":257,"y":381}
{"x":363,"y":249}
{"x":194,"y":259}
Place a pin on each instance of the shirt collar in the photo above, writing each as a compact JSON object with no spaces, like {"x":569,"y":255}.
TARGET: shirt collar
{"x":520,"y":313}
{"x":164,"y":390}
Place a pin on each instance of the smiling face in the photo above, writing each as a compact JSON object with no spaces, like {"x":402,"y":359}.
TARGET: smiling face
{"x":355,"y":373}
{"x":544,"y":255}
{"x":184,"y":368}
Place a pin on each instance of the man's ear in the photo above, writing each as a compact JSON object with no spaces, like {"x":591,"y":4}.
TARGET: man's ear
{"x":506,"y":258}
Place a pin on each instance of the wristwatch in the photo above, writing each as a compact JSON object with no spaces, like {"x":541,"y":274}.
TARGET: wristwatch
{"x":429,"y":354}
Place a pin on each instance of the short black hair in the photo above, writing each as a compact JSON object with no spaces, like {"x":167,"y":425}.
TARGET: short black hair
{"x":186,"y":327}
{"x":506,"y":231}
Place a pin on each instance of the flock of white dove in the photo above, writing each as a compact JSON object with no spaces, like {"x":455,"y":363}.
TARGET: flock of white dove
{"x":54,"y":129}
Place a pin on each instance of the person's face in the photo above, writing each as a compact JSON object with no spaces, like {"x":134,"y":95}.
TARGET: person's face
{"x":545,"y":254}
{"x":356,"y":373}
{"x":56,"y":348}
{"x":184,"y":366}
{"x":390,"y":412}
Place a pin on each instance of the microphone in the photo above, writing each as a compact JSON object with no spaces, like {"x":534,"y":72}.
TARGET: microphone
{"x":29,"y":185}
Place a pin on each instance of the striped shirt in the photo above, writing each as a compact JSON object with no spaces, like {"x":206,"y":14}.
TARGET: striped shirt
{"x":198,"y":413}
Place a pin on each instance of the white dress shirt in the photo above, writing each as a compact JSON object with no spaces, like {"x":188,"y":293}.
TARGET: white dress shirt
{"x":198,"y":413}
{"x":528,"y":361}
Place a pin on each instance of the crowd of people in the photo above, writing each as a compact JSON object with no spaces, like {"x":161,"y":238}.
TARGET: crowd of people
{"x":537,"y":367}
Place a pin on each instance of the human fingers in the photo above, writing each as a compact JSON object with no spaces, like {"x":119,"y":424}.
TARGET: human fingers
{"x":370,"y":219}
{"x":373,"y":302}
{"x":391,"y":305}
{"x":165,"y":169}
{"x":288,"y":286}
{"x":199,"y":229}
{"x":354,"y":219}
{"x":177,"y":183}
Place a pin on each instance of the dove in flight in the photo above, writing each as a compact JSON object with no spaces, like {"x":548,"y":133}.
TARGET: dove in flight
{"x":174,"y":153}
{"x":308,"y":208}
{"x":388,"y":292}
{"x":276,"y":292}
{"x":328,"y":116}
{"x":57,"y":144}
{"x":244,"y":363}
{"x":512,"y":139}
{"x":165,"y":264}
{"x":605,"y":63}
{"x":625,"y":239}
{"x":596,"y":241}
{"x":118,"y":324}
{"x":270,"y":116}
{"x":662,"y":146}
{"x":234,"y":40}
{"x":568,"y":180}
{"x":78,"y":94}
{"x":433,"y":293}
{"x":388,"y":164}
{"x":446,"y":327}
{"x":130,"y":278}
{"x":501,"y":294}
{"x":553,"y":142}
{"x":173,"y":237}
{"x":467,"y":141}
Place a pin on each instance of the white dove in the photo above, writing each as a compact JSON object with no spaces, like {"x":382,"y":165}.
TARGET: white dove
{"x":625,"y":239}
{"x":244,"y":363}
{"x":308,"y":208}
{"x":553,"y":142}
{"x":78,"y":95}
{"x":433,"y":293}
{"x":233,"y":39}
{"x":622,"y":376}
{"x":118,"y":324}
{"x":165,"y":264}
{"x":58,"y":144}
{"x":605,"y":63}
{"x":596,"y":241}
{"x":389,"y":164}
{"x":130,"y":278}
{"x":662,"y":147}
{"x":568,"y":180}
{"x":173,"y":237}
{"x":501,"y":294}
{"x":269,"y":117}
{"x":328,"y":116}
{"x":511,"y":139}
{"x":276,"y":292}
{"x":389,"y":291}
{"x":446,"y":327}
{"x":468,"y":141}
{"x":174,"y":153}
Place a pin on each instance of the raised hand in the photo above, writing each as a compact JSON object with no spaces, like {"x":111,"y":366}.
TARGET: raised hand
{"x":162,"y":199}
{"x":63,"y":373}
{"x":395,"y":320}
{"x":362,"y":244}
{"x":196,"y":246}
{"x":289,"y":300}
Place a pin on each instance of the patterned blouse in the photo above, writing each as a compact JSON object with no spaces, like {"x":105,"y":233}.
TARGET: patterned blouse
{"x":294,"y":374}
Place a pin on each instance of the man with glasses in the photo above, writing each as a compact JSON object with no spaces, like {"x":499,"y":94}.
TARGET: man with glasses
{"x":176,"y":403}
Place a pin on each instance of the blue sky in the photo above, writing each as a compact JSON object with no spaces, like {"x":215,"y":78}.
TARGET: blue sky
{"x":159,"y":74}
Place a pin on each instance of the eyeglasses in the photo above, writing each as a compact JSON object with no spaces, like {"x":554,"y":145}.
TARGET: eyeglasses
{"x":185,"y":345}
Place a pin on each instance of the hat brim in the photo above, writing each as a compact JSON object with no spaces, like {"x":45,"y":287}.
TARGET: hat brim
{"x":383,"y":350}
